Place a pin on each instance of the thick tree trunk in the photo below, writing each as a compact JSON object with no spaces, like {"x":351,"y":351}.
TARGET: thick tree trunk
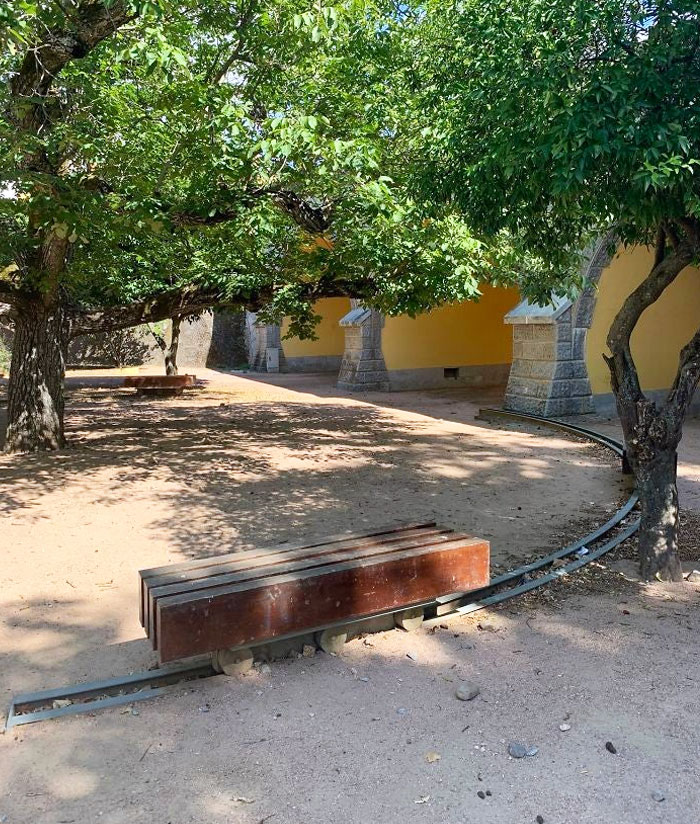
{"x":171,"y":351}
{"x":658,"y":536}
{"x":37,"y":369}
{"x":652,"y":433}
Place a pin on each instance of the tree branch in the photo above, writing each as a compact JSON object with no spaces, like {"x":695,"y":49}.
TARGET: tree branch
{"x":192,"y":300}
{"x":660,"y":245}
{"x":650,"y":290}
{"x":681,"y":393}
{"x":314,"y":219}
{"x":186,"y":301}
{"x":92,"y":23}
{"x":623,"y":371}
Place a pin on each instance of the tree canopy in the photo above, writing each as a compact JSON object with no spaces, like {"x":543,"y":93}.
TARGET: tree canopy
{"x":248,"y":148}
{"x":559,"y":120}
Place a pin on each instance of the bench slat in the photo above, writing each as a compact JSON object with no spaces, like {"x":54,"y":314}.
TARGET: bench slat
{"x":264,"y":567}
{"x":265,"y":608}
{"x":147,"y":575}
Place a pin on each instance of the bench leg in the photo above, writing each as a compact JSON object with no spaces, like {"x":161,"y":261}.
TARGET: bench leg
{"x":409,"y":619}
{"x":332,"y":640}
{"x":232,"y":662}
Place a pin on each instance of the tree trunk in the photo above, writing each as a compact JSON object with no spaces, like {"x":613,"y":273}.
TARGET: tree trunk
{"x":37,"y":369}
{"x":171,"y":351}
{"x":658,"y":536}
{"x":652,"y":433}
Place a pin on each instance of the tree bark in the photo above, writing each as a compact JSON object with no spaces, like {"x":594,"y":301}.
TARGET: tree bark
{"x":37,"y":370}
{"x":658,"y":537}
{"x":171,"y":351}
{"x":652,"y":434}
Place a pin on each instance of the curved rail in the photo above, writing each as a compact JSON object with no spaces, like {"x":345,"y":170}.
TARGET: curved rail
{"x":582,"y":548}
{"x":41,"y":706}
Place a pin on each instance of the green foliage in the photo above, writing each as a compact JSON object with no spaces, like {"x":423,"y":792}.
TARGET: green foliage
{"x":5,"y":355}
{"x":165,"y":145}
{"x":557,"y":119}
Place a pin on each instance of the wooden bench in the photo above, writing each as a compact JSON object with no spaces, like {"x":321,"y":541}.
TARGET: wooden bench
{"x":255,"y":596}
{"x":161,"y":385}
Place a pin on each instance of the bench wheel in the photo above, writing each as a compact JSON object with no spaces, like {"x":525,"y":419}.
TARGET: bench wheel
{"x":232,"y":661}
{"x":332,"y":640}
{"x":409,"y":619}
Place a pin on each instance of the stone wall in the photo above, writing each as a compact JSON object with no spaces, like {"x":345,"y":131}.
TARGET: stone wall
{"x":214,"y":340}
{"x":264,"y":345}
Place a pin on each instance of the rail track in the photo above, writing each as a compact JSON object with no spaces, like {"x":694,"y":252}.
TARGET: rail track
{"x":31,"y":707}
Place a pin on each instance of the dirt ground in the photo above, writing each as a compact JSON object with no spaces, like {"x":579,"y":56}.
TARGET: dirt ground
{"x":245,"y":462}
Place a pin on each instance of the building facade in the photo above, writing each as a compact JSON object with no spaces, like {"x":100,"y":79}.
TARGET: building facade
{"x":549,"y":359}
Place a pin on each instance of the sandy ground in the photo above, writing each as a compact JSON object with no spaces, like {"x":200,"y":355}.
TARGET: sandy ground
{"x":247,"y":462}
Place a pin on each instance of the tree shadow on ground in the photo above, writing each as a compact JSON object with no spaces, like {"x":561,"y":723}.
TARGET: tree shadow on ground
{"x":313,"y":741}
{"x":246,"y":474}
{"x":349,"y":737}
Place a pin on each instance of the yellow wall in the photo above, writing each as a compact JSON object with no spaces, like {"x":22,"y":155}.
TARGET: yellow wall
{"x":331,"y":337}
{"x":461,"y":334}
{"x":662,"y":331}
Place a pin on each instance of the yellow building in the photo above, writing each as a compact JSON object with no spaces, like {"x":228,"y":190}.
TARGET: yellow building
{"x":551,"y":358}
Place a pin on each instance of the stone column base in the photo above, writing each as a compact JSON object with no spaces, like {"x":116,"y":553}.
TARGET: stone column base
{"x":362,"y":368}
{"x":264,"y":343}
{"x":548,"y":375}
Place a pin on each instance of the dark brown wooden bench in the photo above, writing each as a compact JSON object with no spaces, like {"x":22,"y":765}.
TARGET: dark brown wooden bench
{"x":255,"y":596}
{"x":161,"y":385}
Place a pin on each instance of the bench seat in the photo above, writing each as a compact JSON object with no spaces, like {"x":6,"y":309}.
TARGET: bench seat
{"x":251,"y":597}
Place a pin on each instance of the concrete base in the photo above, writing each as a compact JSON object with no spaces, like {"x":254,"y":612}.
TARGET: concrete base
{"x":312,"y":363}
{"x":433,"y":377}
{"x":605,"y":404}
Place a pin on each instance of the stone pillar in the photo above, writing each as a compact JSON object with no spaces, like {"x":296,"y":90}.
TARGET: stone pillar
{"x":264,"y":345}
{"x":363,"y":368}
{"x":548,"y":375}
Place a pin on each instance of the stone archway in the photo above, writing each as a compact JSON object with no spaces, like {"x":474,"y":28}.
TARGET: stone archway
{"x":548,"y":375}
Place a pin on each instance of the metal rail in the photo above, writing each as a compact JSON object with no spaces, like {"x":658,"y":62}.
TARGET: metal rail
{"x":29,"y":708}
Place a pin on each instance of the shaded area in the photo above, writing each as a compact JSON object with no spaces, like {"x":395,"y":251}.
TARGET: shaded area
{"x":240,"y":464}
{"x":347,"y":737}
{"x":236,"y":465}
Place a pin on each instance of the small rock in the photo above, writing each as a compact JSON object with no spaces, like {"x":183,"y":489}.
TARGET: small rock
{"x":432,"y":756}
{"x":657,"y":795}
{"x":467,"y":691}
{"x":488,"y":793}
{"x":564,"y":727}
{"x":516,"y":750}
{"x":234,"y":662}
{"x":205,"y":708}
{"x":363,"y":678}
{"x":401,"y":711}
{"x":694,"y":577}
{"x":135,"y":711}
{"x":481,"y":794}
{"x":412,"y":655}
{"x":265,"y":669}
{"x":422,"y":800}
{"x":308,"y":651}
{"x":60,"y":703}
{"x":610,"y":747}
{"x":539,"y":819}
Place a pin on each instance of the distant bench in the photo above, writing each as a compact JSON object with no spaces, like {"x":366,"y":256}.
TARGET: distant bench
{"x":247,"y":598}
{"x":163,"y":385}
